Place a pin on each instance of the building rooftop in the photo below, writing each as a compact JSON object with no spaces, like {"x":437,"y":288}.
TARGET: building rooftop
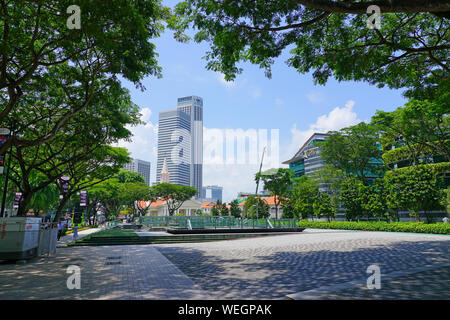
{"x":298,"y":153}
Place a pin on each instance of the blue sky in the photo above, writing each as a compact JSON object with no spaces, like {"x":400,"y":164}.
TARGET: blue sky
{"x":289,"y":102}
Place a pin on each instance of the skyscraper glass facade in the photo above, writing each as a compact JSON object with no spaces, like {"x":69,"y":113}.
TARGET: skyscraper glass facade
{"x":180,"y":141}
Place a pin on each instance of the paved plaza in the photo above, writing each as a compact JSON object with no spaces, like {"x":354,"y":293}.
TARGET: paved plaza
{"x":274,"y":267}
{"x":256,"y":268}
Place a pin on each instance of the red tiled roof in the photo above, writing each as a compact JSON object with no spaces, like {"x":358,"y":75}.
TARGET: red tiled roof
{"x":158,"y":203}
{"x":206,"y":205}
{"x":142,"y":204}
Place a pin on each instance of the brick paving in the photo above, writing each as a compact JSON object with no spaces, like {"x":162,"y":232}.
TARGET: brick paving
{"x":274,"y":267}
{"x":429,"y":285}
{"x":109,"y":272}
{"x":256,"y":268}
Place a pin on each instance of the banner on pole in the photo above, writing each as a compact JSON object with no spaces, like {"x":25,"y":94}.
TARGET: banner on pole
{"x":65,"y":183}
{"x":2,"y":163}
{"x":17,"y":200}
{"x":83,"y":198}
{"x":4,"y":135}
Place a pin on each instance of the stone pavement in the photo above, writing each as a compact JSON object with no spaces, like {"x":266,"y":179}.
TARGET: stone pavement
{"x":428,"y":285}
{"x":109,"y":272}
{"x":255,"y":268}
{"x":274,"y":267}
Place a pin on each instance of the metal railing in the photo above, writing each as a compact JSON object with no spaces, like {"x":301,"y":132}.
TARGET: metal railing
{"x":217,"y":222}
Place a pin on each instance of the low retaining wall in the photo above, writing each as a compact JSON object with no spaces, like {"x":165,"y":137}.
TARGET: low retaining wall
{"x":225,"y":230}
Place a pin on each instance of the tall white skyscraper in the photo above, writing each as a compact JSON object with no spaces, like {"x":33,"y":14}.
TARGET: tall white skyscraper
{"x":180,"y":142}
{"x":193,"y":106}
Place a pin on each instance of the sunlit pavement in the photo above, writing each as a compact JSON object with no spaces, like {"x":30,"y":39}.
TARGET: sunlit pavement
{"x":274,"y":267}
{"x":256,"y":268}
{"x":109,"y":272}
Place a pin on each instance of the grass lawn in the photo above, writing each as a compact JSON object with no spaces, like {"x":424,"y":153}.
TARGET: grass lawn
{"x":113,"y":233}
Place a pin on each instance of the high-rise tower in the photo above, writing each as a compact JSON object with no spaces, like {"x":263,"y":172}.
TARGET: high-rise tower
{"x":180,"y":142}
{"x":193,"y":106}
{"x":174,"y":145}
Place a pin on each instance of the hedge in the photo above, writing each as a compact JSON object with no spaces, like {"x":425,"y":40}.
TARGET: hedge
{"x":415,"y":227}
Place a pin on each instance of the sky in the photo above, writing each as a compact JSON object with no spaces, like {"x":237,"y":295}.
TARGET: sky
{"x":289,"y":106}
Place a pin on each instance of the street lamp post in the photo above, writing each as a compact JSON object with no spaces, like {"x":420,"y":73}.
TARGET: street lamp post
{"x":257,"y":183}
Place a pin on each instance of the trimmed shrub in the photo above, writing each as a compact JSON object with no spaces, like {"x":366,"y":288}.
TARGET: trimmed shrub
{"x":414,"y":227}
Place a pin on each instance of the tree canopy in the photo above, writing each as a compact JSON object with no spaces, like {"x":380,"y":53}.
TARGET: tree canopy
{"x":325,"y":37}
{"x":49,"y":73}
{"x":278,"y":183}
{"x":354,"y":150}
{"x":175,"y":195}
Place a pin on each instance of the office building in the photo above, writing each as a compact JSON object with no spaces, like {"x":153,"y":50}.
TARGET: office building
{"x":174,"y":146}
{"x":307,"y":160}
{"x":180,"y":143}
{"x":212,"y":193}
{"x":140,"y":166}
{"x":193,"y":106}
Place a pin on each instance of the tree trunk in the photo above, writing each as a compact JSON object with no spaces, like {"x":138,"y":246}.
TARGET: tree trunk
{"x":23,"y":203}
{"x":61,"y":206}
{"x":276,"y":211}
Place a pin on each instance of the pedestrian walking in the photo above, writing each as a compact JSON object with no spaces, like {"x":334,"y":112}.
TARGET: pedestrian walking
{"x":75,"y":231}
{"x":60,"y":229}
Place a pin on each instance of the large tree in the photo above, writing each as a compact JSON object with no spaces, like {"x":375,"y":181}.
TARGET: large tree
{"x":351,"y":196}
{"x":416,"y":189}
{"x":328,"y":38}
{"x":256,"y":208}
{"x":302,"y":196}
{"x":354,"y":150}
{"x":175,"y":195}
{"x":57,"y":69}
{"x":278,"y":182}
{"x":82,"y":139}
{"x":418,"y":130}
{"x":235,"y":210}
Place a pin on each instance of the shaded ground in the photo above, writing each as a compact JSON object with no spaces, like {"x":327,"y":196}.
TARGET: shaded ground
{"x":274,"y":267}
{"x":257,"y":268}
{"x":431,"y":285}
{"x":113,"y":272}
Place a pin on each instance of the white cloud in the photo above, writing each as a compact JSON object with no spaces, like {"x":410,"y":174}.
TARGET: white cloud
{"x":146,"y":113}
{"x":235,"y":177}
{"x":143,"y":144}
{"x":336,"y":119}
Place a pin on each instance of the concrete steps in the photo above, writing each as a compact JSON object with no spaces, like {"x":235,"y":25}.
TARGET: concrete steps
{"x":134,"y":240}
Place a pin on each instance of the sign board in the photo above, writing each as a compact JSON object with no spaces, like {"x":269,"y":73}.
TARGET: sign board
{"x":83,"y":198}
{"x":64,"y":180}
{"x":4,"y":135}
{"x":310,"y":153}
{"x":2,"y":163}
{"x":4,"y":131}
{"x":17,"y":200}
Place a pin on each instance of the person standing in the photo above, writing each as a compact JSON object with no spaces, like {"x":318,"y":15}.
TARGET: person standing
{"x":75,"y":231}
{"x":60,"y":229}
